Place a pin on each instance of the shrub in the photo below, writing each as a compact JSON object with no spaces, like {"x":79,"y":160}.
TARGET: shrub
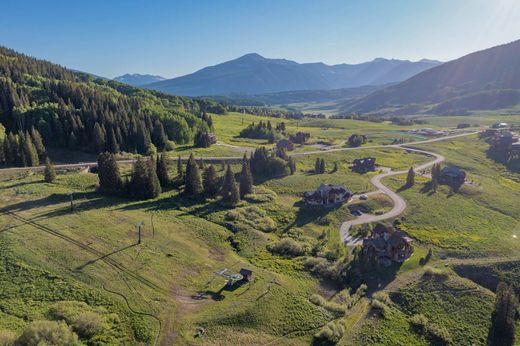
{"x":336,"y":309}
{"x":439,"y":335}
{"x":252,"y":217}
{"x":331,"y":333}
{"x":7,"y":338}
{"x":382,"y":297}
{"x":288,"y":247}
{"x":48,"y":333}
{"x":436,"y":273}
{"x":378,"y":306}
{"x":88,"y":324}
{"x":419,"y":322}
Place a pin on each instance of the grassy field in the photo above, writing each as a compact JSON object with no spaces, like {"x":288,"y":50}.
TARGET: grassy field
{"x":89,"y":262}
{"x":457,"y":307}
{"x":323,"y":132}
{"x":478,"y":220}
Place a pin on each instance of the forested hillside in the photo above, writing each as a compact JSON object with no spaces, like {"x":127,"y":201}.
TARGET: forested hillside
{"x":79,"y":111}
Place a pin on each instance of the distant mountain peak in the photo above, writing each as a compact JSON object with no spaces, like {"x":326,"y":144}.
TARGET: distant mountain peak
{"x":252,"y":56}
{"x":137,"y":79}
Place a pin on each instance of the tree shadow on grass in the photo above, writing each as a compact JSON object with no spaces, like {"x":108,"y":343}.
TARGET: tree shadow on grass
{"x":22,"y":183}
{"x":427,"y":188}
{"x":403,"y":188}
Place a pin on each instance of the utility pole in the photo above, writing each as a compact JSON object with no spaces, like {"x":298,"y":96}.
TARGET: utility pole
{"x":71,"y":194}
{"x":138,"y":226}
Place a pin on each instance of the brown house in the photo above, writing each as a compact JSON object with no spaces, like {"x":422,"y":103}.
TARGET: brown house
{"x":387,"y":245}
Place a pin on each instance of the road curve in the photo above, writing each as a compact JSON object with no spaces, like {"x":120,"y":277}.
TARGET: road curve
{"x":239,"y":158}
{"x":399,"y":202}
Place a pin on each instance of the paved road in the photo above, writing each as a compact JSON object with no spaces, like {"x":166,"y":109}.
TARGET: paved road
{"x":399,"y":202}
{"x":239,"y":158}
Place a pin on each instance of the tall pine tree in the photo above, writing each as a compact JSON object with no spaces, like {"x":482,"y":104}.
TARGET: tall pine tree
{"x":502,"y":329}
{"x":108,"y":173}
{"x":410,"y":178}
{"x":192,"y":180}
{"x":246,"y":179}
{"x":210,"y":181}
{"x":162,"y":170}
{"x":38,"y":144}
{"x":29,"y":151}
{"x":49,"y":174}
{"x":229,"y":191}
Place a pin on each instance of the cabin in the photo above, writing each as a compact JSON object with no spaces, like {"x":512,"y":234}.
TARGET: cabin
{"x":327,"y":195}
{"x":367,"y":164}
{"x":387,"y":245}
{"x":499,"y":125}
{"x":286,"y":144}
{"x":453,"y":176}
{"x":300,"y":137}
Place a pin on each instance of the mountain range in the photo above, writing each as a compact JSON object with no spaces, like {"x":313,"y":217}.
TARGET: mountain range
{"x":483,"y":80}
{"x":254,"y":74}
{"x":137,"y":79}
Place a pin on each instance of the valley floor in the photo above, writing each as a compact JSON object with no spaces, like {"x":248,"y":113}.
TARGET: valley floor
{"x":165,"y":289}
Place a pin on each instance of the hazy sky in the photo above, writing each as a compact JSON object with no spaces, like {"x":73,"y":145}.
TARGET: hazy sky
{"x":171,"y":38}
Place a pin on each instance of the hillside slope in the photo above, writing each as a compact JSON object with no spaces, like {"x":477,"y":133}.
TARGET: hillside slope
{"x":79,"y":111}
{"x":488,"y":79}
{"x":254,"y":74}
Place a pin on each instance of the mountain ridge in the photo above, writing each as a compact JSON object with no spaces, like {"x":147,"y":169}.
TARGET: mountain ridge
{"x":255,"y":74}
{"x":456,"y":86}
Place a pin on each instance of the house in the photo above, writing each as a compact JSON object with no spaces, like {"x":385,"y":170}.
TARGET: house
{"x":300,"y":137}
{"x":428,"y":132}
{"x":286,"y":144}
{"x":451,"y":175}
{"x":327,"y":194}
{"x":499,"y":125}
{"x":387,"y":245}
{"x":247,"y":275}
{"x":364,"y":165}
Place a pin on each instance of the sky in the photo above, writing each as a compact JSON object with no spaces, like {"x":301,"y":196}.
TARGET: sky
{"x":177,"y":37}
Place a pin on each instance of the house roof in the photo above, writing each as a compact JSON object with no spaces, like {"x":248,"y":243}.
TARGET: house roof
{"x":245,"y":272}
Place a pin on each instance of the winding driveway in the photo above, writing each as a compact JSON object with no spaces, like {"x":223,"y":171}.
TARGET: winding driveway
{"x":399,"y":202}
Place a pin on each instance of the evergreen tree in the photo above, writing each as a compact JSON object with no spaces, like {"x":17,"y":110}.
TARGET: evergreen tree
{"x":502,"y":329}
{"x":192,"y":181}
{"x":99,"y":140}
{"x":162,"y":170}
{"x":38,"y":144}
{"x":292,"y":165}
{"x":139,"y":183}
{"x":153,"y":186}
{"x":49,"y":173}
{"x":108,"y":173}
{"x":112,"y":144}
{"x":180,"y":170}
{"x":410,"y":178}
{"x":246,"y":179}
{"x":229,"y":191}
{"x":29,"y":151}
{"x":322,"y":166}
{"x":317,"y":166}
{"x":210,"y":181}
{"x":159,"y":137}
{"x":22,"y":151}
